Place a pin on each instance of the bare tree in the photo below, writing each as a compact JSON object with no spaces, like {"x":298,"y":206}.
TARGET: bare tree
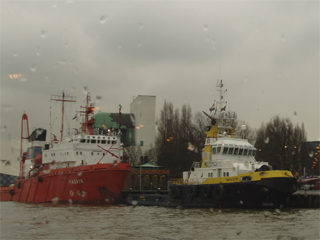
{"x":280,"y":144}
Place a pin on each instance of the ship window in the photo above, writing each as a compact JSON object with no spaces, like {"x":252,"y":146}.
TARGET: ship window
{"x":225,"y":150}
{"x":218,"y":150}
{"x":91,"y":153}
{"x":230,"y":150}
{"x":240,"y":151}
{"x":88,"y":140}
{"x":208,"y":174}
{"x":250,"y":152}
{"x":103,"y":141}
{"x":82,"y":140}
{"x":98,"y":141}
{"x":245,"y":152}
{"x":108,"y":142}
{"x":93,"y":141}
{"x":227,"y":174}
{"x":77,"y":153}
{"x":236,"y":151}
{"x":253,"y":152}
{"x":211,"y":174}
{"x":224,"y":174}
{"x":141,"y":142}
{"x":214,"y":150}
{"x":80,"y":153}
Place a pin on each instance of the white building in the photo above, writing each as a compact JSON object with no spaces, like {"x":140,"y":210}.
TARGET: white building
{"x":144,"y":109}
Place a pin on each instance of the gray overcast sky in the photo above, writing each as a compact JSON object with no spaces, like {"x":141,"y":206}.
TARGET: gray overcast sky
{"x":266,"y":52}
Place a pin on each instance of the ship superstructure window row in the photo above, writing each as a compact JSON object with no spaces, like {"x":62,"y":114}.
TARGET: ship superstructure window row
{"x":232,"y":149}
{"x":104,"y":140}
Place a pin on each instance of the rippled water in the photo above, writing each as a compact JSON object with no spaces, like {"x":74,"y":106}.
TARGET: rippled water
{"x":48,"y":221}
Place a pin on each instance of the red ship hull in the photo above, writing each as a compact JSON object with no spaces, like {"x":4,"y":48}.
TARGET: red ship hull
{"x":100,"y":183}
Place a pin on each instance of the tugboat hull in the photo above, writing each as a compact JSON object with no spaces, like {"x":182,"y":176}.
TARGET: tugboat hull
{"x":259,"y":194}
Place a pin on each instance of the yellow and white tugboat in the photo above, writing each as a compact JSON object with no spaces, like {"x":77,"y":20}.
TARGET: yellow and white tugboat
{"x":228,"y":175}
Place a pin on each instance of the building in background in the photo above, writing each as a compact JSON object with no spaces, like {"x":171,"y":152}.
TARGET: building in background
{"x":110,"y":121}
{"x":143,"y":107}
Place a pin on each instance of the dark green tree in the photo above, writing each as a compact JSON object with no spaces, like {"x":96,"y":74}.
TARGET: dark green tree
{"x":280,"y":143}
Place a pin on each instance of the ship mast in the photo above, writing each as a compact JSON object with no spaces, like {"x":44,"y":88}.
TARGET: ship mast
{"x":62,"y":98}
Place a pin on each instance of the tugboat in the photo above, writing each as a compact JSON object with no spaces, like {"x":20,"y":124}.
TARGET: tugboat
{"x":228,"y":175}
{"x":87,"y":167}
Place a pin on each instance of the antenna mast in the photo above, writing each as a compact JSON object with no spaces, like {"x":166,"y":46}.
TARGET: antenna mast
{"x":62,"y":99}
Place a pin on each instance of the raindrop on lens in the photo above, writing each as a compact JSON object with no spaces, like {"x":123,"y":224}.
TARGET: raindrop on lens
{"x":266,"y":140}
{"x":103,"y":19}
{"x":311,"y":153}
{"x":15,"y":53}
{"x":33,"y":68}
{"x":140,"y":26}
{"x":205,"y":27}
{"x":43,"y":34}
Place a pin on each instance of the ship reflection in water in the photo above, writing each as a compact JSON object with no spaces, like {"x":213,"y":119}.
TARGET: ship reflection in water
{"x":63,"y":221}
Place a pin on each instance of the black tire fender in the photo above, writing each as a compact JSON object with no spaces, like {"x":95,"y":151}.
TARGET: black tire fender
{"x":218,"y":193}
{"x":40,"y":179}
{"x":192,"y":191}
{"x":12,"y":192}
{"x":174,"y":192}
{"x":206,"y":191}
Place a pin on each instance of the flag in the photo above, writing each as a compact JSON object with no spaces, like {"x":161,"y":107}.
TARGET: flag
{"x":75,"y":117}
{"x":212,"y":108}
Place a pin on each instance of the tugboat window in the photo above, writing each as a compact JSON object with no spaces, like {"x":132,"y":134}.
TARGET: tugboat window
{"x":245,"y":152}
{"x":214,"y":150}
{"x":219,"y":150}
{"x":253,"y":152}
{"x":250,"y":152}
{"x":240,"y":151}
{"x":103,"y":141}
{"x":225,"y":150}
{"x":236,"y":151}
{"x":230,"y":151}
{"x":93,"y":141}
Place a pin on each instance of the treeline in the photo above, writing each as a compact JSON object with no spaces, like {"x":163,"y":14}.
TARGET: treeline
{"x":281,"y":144}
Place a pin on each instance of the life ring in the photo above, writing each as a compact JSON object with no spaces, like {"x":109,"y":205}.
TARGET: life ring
{"x":218,"y":193}
{"x":174,"y":193}
{"x":186,"y":181}
{"x":71,"y":193}
{"x":40,"y":179}
{"x":192,"y":191}
{"x":206,"y":191}
{"x":11,"y":192}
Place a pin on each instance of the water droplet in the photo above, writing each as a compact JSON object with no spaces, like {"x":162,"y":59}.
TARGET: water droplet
{"x":311,"y":153}
{"x":43,"y":34}
{"x":33,"y":67}
{"x":14,"y":53}
{"x":55,"y":200}
{"x":205,"y":27}
{"x":140,"y":25}
{"x":134,"y":203}
{"x":266,"y":140}
{"x":38,"y":52}
{"x":283,"y":38}
{"x":103,"y":19}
